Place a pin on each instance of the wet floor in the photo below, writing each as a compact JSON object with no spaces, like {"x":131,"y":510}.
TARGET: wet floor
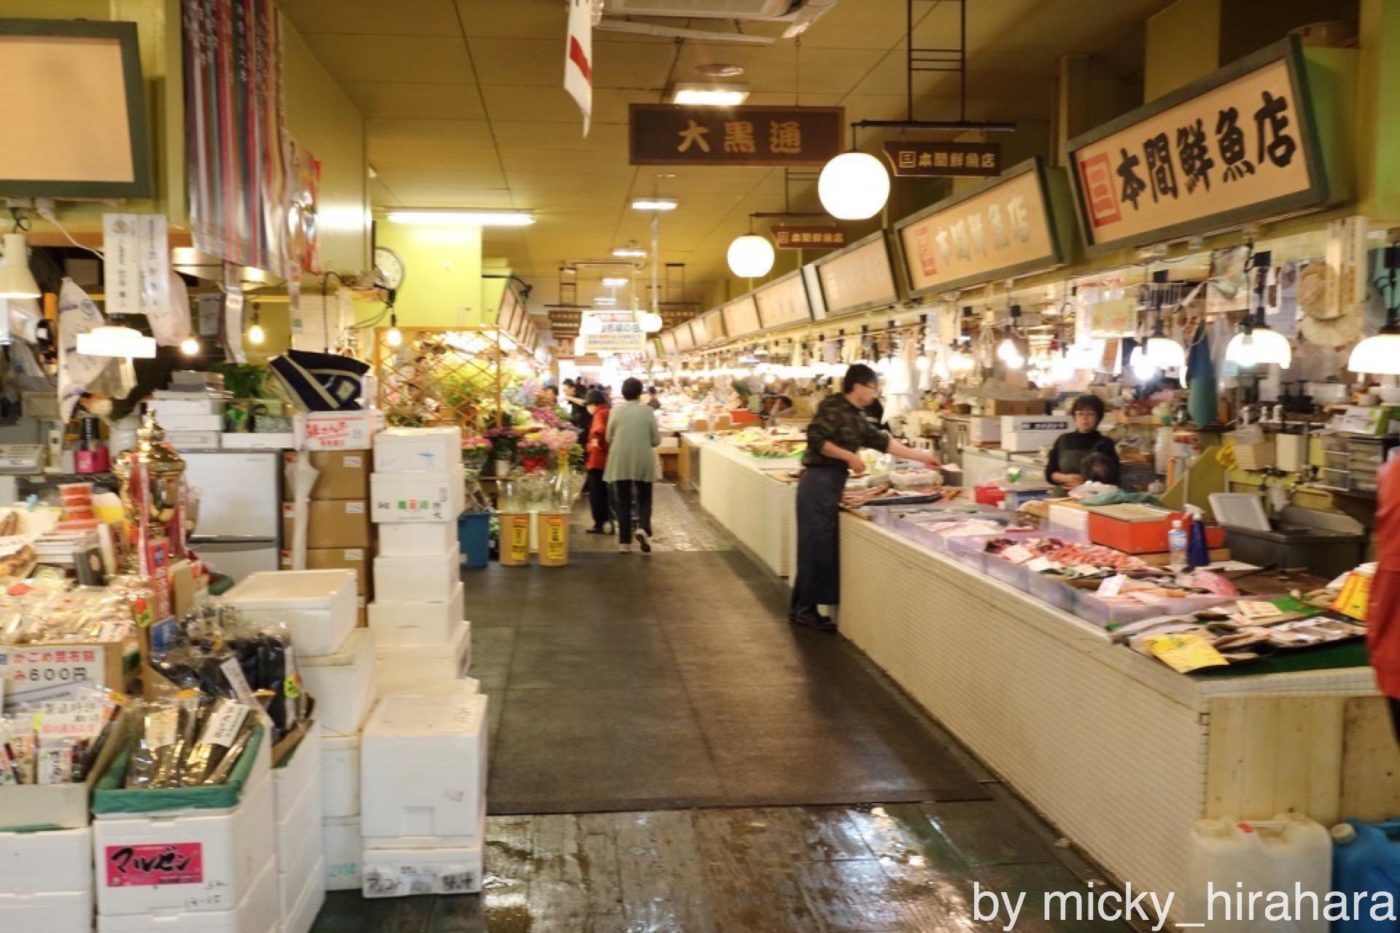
{"x":669,"y":754}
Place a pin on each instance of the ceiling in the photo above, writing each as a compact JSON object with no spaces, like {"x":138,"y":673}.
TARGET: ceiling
{"x":465,"y":108}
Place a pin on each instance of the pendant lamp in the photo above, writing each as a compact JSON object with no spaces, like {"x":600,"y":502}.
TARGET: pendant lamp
{"x":1163,"y":351}
{"x":16,"y":281}
{"x":1379,"y":354}
{"x":751,"y":256}
{"x":853,"y":186}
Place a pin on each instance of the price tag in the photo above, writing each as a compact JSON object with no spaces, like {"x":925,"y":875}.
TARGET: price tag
{"x":160,"y":728}
{"x":1041,"y":564}
{"x":1112,"y":586}
{"x":234,"y":672}
{"x":224,"y":724}
{"x":1017,"y":554}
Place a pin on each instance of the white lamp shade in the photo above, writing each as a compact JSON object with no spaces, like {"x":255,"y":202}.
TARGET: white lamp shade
{"x":590,"y":326}
{"x":1166,"y":353}
{"x":853,"y":186}
{"x":650,"y":321}
{"x":1242,"y":351}
{"x":1379,"y":354}
{"x":751,"y":256}
{"x":1272,"y":347}
{"x":1141,"y":365}
{"x":116,"y":341}
{"x":16,"y":281}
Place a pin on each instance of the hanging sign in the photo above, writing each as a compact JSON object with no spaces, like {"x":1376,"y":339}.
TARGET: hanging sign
{"x":699,"y":332}
{"x":1001,"y":228}
{"x":669,"y":134}
{"x":619,"y":332}
{"x":669,"y":346}
{"x":685,"y":340}
{"x":740,"y":317}
{"x":790,"y":236}
{"x":925,"y":159}
{"x":859,"y":277}
{"x":1238,"y":146}
{"x":783,"y":301}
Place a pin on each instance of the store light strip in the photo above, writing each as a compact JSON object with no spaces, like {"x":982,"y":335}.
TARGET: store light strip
{"x":654,"y":204}
{"x":463,"y":218}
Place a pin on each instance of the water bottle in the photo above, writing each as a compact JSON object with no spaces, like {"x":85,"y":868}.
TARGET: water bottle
{"x":1176,"y":544}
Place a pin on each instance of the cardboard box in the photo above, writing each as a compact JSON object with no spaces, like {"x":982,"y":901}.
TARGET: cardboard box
{"x":60,"y":806}
{"x":343,"y":474}
{"x":334,"y":523}
{"x":355,"y":559}
{"x":1016,"y":406}
{"x":43,"y":671}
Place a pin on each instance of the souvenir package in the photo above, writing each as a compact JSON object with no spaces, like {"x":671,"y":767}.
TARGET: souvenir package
{"x":190,"y":740}
{"x":57,"y":741}
{"x":42,"y":612}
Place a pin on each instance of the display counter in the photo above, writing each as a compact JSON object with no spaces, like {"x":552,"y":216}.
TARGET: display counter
{"x":752,"y":498}
{"x":1121,"y":753}
{"x":987,"y":464}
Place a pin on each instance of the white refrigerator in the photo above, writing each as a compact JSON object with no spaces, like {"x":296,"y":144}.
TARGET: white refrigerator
{"x":239,"y":517}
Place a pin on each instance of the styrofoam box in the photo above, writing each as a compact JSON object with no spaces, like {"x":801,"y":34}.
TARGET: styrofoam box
{"x":343,"y":682}
{"x":66,"y":912}
{"x":418,"y":450}
{"x":300,"y":915}
{"x":340,"y":775}
{"x":318,"y":606}
{"x":299,"y":839}
{"x":417,"y":623}
{"x":399,"y":668}
{"x":421,"y":578}
{"x":431,"y":841}
{"x":405,"y":539}
{"x":194,"y":440}
{"x":257,"y":912}
{"x":259,"y":440}
{"x":417,"y":497}
{"x":193,"y":403}
{"x":984,"y":430}
{"x":233,"y":847}
{"x":406,"y":872}
{"x":298,"y":772}
{"x":55,"y":861}
{"x":343,"y":846}
{"x":423,"y":766}
{"x":192,"y":422}
{"x":1029,"y":440}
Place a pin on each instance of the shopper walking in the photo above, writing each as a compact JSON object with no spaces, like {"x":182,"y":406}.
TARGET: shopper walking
{"x":596,"y":459}
{"x":1383,"y":608}
{"x":632,"y":437}
{"x":834,"y":439}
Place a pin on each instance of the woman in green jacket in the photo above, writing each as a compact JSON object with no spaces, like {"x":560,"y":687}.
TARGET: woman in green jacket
{"x":632,"y":441}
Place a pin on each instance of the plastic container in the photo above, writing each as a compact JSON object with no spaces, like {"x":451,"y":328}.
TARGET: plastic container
{"x":420,"y":578}
{"x":1176,"y":544}
{"x":340,"y":775}
{"x":344,"y":847}
{"x":1256,"y":856}
{"x":408,"y":872}
{"x":418,"y":624}
{"x":423,"y":768}
{"x":342,"y":683}
{"x":1365,"y":860}
{"x":399,"y":668}
{"x":319,"y":606}
{"x":256,"y":912}
{"x":474,"y":539}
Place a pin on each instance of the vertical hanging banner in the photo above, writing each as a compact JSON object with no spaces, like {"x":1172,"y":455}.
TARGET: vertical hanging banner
{"x":237,"y":148}
{"x":136,"y":264}
{"x":578,"y":58}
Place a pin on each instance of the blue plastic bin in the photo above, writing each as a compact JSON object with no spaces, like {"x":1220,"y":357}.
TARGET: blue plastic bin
{"x":474,"y":539}
{"x":1365,"y":860}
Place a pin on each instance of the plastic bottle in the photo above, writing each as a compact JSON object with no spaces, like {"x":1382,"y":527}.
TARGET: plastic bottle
{"x":1176,"y":543}
{"x":1366,"y":859}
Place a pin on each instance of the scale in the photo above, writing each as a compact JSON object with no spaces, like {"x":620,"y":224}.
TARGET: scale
{"x":17,"y":459}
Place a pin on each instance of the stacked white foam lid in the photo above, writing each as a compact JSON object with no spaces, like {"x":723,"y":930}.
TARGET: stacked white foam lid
{"x":417,"y":491}
{"x":217,"y":871}
{"x":193,"y":418}
{"x":423,"y":792}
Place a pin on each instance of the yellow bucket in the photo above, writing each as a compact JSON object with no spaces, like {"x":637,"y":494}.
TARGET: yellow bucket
{"x":515,"y":539}
{"x":552,"y":532}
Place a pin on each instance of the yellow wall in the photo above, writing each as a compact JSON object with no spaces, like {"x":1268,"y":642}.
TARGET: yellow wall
{"x":1378,"y":150}
{"x":323,"y":120}
{"x":1183,"y":44}
{"x":442,"y":273}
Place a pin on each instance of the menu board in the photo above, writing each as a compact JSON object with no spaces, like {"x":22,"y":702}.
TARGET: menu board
{"x":783,"y":301}
{"x":740,"y":317}
{"x":859,"y":277}
{"x":668,"y":343}
{"x":1002,"y":228}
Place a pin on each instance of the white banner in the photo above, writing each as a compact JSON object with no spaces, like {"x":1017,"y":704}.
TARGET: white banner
{"x":578,"y":58}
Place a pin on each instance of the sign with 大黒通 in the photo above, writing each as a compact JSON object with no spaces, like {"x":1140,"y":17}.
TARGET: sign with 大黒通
{"x":1238,"y":146}
{"x":670,"y":134}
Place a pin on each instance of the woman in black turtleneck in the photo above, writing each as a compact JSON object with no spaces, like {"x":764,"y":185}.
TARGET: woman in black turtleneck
{"x":1070,"y":449}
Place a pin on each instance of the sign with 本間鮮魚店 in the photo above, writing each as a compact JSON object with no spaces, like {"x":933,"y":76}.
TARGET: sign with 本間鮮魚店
{"x":1238,"y":146}
{"x":912,"y":159}
{"x":998,"y":229}
{"x":788,"y":236}
{"x":670,"y":134}
{"x":618,"y":332}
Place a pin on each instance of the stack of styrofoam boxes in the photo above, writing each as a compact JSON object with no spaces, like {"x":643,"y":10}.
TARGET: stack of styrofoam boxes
{"x":337,"y":513}
{"x":423,"y":792}
{"x":416,"y":493}
{"x":301,"y":865}
{"x":189,"y":870}
{"x":336,"y":661}
{"x":46,"y":879}
{"x":191,"y":414}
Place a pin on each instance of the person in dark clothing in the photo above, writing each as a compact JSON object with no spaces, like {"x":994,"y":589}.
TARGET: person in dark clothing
{"x":575,"y":397}
{"x":1065,"y":466}
{"x":834,"y":439}
{"x":875,"y":412}
{"x":596,"y":460}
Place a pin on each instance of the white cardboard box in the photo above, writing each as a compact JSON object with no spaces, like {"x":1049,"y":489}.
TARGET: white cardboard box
{"x":423,"y":767}
{"x":407,"y":539}
{"x":418,"y":450}
{"x":417,"y":497}
{"x":256,"y":912}
{"x":343,"y":682}
{"x":407,"y":872}
{"x":55,"y":861}
{"x":340,"y":775}
{"x":421,"y":578}
{"x":65,"y":912}
{"x":299,"y":916}
{"x":399,"y":669}
{"x":318,"y":606}
{"x":344,"y":846}
{"x":405,"y":624}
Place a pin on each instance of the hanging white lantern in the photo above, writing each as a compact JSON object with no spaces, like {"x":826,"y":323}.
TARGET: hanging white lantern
{"x":649,"y":321}
{"x":1378,"y":354}
{"x":751,"y":256}
{"x":853,"y":186}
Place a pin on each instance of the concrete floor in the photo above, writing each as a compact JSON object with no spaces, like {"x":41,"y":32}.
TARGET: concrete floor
{"x":668,"y":753}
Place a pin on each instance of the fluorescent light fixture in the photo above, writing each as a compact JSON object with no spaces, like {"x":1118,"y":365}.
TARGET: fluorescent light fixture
{"x":710,"y":95}
{"x":463,"y":218}
{"x":629,"y":252}
{"x":654,"y":204}
{"x":615,"y":281}
{"x":605,"y":301}
{"x":116,"y":340}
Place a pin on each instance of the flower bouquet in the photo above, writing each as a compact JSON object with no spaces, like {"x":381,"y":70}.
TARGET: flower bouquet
{"x":505,"y":440}
{"x":534,"y":454}
{"x":475,"y":452}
